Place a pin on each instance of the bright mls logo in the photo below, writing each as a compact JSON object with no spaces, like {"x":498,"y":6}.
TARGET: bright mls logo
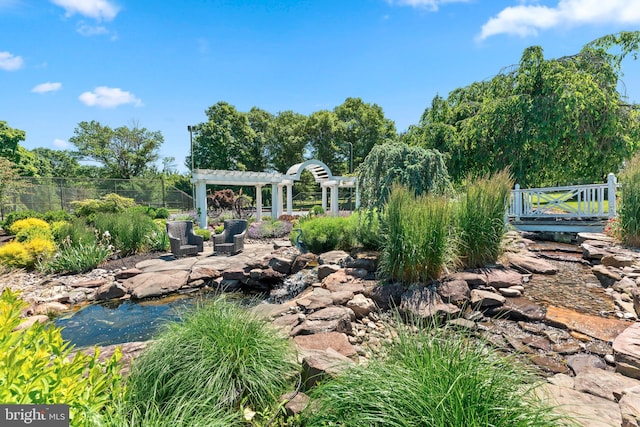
{"x":34,"y":415}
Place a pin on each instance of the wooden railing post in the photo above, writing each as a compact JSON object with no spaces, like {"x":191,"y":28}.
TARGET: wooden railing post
{"x":518,"y":202}
{"x":611,"y":185}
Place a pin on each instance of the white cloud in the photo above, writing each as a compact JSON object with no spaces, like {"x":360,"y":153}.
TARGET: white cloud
{"x":47,"y":87}
{"x":109,"y":97}
{"x":60,"y":143}
{"x":424,"y":4}
{"x":10,"y":62}
{"x":526,"y":20}
{"x":96,"y":9}
{"x":91,"y":30}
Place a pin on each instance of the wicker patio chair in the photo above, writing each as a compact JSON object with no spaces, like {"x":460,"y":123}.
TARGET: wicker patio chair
{"x":182,"y":238}
{"x":231,"y":240}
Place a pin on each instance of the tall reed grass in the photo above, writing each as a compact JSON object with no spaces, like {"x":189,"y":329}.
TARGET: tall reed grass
{"x":480,"y":219}
{"x":434,"y":378}
{"x":204,"y":368}
{"x":417,"y":244}
{"x":629,"y":210}
{"x":131,"y":231}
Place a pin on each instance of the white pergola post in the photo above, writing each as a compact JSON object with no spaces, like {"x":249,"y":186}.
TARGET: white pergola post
{"x":259,"y":202}
{"x":201,"y":203}
{"x":324,"y":198}
{"x":334,"y":200}
{"x":289,"y":199}
{"x":357,"y":195}
{"x":274,"y":201}
{"x":612,"y":182}
{"x":280,"y":199}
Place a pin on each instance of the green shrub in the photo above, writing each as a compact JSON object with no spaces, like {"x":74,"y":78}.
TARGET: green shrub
{"x":36,"y":368}
{"x":55,"y":216}
{"x":203,"y":232}
{"x":15,"y":254}
{"x":25,"y":223}
{"x":326,"y":233}
{"x":433,"y":378}
{"x":368,"y":232}
{"x":316,"y":210}
{"x":162,"y":213}
{"x":629,"y":210}
{"x":77,"y":231}
{"x":417,"y":244}
{"x":218,"y":358}
{"x":480,"y":224}
{"x":12,"y":217}
{"x":74,"y":258}
{"x":130,"y":232}
{"x":110,"y":203}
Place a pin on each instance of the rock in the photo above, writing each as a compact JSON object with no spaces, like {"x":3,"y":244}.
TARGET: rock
{"x":463,"y":324}
{"x":602,"y":383}
{"x":365,"y":261}
{"x":315,"y":302}
{"x":235,"y":274}
{"x":268,"y":275}
{"x":531,"y":264}
{"x":591,"y":252}
{"x":277,"y":244}
{"x":520,"y":309}
{"x":340,"y":281}
{"x":326,"y":320}
{"x":153,"y":284}
{"x":281,"y":265}
{"x":582,"y":362}
{"x":502,"y":278}
{"x":566,"y":348}
{"x":358,"y":273}
{"x":325,"y":340}
{"x":203,"y":273}
{"x":423,"y":303}
{"x":597,"y":238}
{"x":317,"y":364}
{"x":586,"y":409}
{"x":630,"y":407}
{"x":361,"y":306}
{"x":228,"y":285}
{"x":626,"y":351}
{"x":605,"y":275}
{"x":302,"y":261}
{"x":635,"y":295}
{"x":110,"y":291}
{"x":93,"y":283}
{"x":341,"y":297}
{"x":30,"y":321}
{"x":617,"y":260}
{"x":625,"y":285}
{"x":454,"y":291}
{"x":51,"y":308}
{"x":473,"y":279}
{"x":334,"y":257}
{"x":484,"y":299}
{"x":510,"y":292}
{"x":593,"y":326}
{"x":387,"y":296}
{"x":270,"y":311}
{"x":549,"y":364}
{"x":540,"y":343}
{"x":325,"y":270}
{"x":296,"y":402}
{"x":126,"y":274}
{"x":287,"y":322}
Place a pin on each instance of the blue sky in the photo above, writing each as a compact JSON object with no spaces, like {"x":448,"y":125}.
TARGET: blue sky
{"x":161,"y":64}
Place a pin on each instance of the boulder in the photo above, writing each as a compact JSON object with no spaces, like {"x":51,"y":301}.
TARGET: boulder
{"x":626,"y":351}
{"x":203,"y":273}
{"x":592,"y":326}
{"x":602,"y":383}
{"x":302,"y":261}
{"x":281,"y":265}
{"x":617,"y":260}
{"x":363,"y":261}
{"x":635,"y":295}
{"x":630,"y":407}
{"x":531,"y":264}
{"x":110,"y":291}
{"x":325,"y":270}
{"x":317,"y":364}
{"x":326,"y":320}
{"x":605,"y":275}
{"x":591,"y":252}
{"x":582,"y":362}
{"x":473,"y":279}
{"x":334,"y":257}
{"x":51,"y":308}
{"x":361,"y":306}
{"x":296,"y":402}
{"x":154,"y":284}
{"x":503,"y":278}
{"x":235,"y":274}
{"x":126,"y":274}
{"x":325,"y":340}
{"x":484,"y":299}
{"x":358,"y":273}
{"x":315,"y":302}
{"x":31,"y":320}
{"x":387,"y":296}
{"x":424,"y":303}
{"x":93,"y":283}
{"x":341,"y":297}
{"x":455,"y":292}
{"x":340,"y":281}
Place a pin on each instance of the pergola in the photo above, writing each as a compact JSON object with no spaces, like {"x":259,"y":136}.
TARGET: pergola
{"x":278,"y":181}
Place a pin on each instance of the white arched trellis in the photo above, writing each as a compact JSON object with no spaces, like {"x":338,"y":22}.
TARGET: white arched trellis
{"x":321,"y":173}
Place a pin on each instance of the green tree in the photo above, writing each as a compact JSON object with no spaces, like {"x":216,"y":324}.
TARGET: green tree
{"x":57,"y":163}
{"x":10,"y":140}
{"x":364,"y":127}
{"x":286,"y":144}
{"x":324,"y":133}
{"x":552,"y":121}
{"x":260,"y":121}
{"x":420,"y":170}
{"x":124,"y":152}
{"x":220,"y":143}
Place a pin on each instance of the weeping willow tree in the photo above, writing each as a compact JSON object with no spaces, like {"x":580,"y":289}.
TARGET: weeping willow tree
{"x":552,"y":121}
{"x":421,"y":170}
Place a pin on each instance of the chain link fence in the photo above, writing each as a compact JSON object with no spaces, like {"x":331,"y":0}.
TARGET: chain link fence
{"x":46,"y":194}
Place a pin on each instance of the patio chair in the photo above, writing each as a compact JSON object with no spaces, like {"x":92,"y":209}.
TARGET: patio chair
{"x":182,"y":238}
{"x":231,"y":240}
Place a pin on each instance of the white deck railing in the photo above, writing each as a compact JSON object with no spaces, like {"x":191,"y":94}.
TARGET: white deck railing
{"x":588,"y":201}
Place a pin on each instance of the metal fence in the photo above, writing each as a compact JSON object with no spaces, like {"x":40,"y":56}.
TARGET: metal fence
{"x":45,"y":194}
